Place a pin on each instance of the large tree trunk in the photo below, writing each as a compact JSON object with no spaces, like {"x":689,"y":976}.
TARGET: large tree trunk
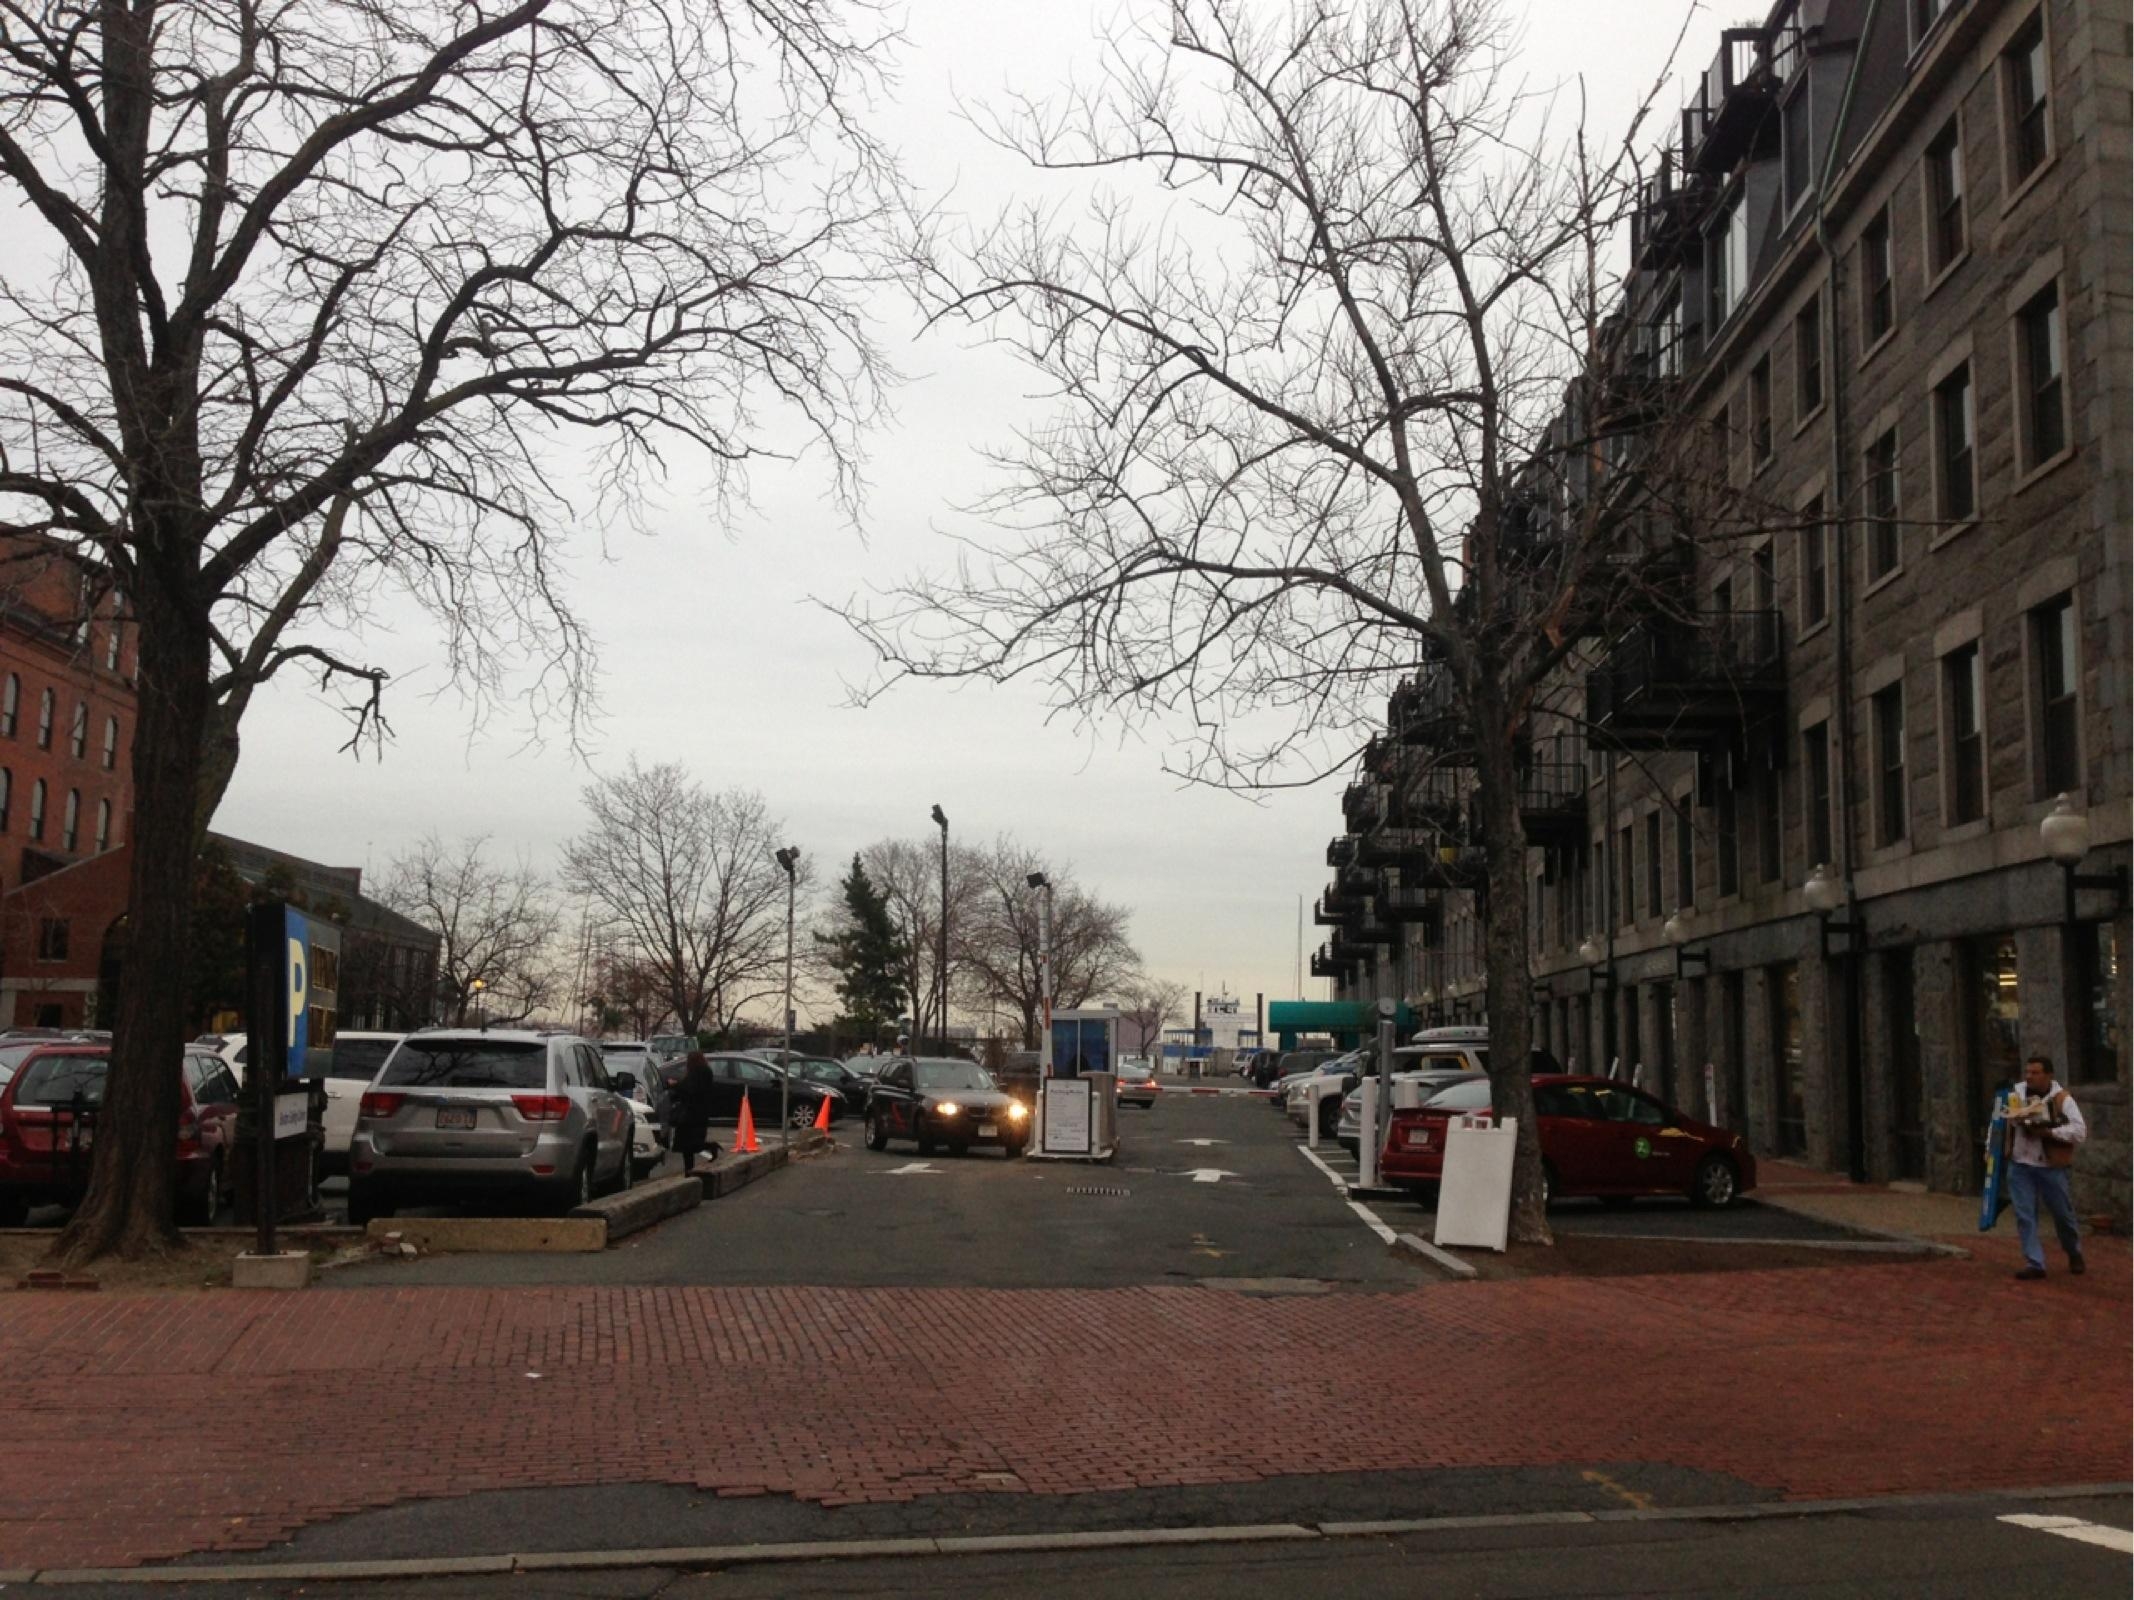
{"x":128,"y":1209}
{"x":1506,"y":972}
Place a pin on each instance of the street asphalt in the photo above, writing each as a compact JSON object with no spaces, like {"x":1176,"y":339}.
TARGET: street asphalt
{"x":1953,"y":1549}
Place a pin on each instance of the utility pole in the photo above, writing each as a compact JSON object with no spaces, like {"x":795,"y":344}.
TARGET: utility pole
{"x":941,"y":981}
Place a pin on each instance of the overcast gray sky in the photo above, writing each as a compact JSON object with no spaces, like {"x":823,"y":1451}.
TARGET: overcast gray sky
{"x":712,"y":654}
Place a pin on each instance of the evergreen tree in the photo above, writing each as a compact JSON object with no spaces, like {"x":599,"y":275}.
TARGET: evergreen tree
{"x":867,"y":954}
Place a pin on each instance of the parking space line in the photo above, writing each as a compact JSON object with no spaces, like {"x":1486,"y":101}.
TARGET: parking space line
{"x":1371,"y":1219}
{"x":2119,"y":1539}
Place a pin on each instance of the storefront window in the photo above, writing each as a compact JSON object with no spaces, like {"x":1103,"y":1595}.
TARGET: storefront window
{"x":1787,"y":1066}
{"x":2096,"y":954}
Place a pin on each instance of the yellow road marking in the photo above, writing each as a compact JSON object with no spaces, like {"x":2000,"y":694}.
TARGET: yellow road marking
{"x":1636,"y":1499}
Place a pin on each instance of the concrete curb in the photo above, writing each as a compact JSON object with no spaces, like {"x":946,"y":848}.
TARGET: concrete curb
{"x":1934,"y":1246}
{"x":1444,"y":1258}
{"x":639,"y":1208}
{"x":736,"y":1555}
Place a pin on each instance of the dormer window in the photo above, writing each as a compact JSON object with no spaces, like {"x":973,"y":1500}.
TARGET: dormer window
{"x":1796,"y":146}
{"x":1727,"y":263}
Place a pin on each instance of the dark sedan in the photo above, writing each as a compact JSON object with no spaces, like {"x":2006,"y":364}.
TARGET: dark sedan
{"x":935,"y":1101}
{"x":854,"y":1087}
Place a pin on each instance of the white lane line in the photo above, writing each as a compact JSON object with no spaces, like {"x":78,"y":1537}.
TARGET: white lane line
{"x":1370,"y":1218}
{"x":2119,"y":1539}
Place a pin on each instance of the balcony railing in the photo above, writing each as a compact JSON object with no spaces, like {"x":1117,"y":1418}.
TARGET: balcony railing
{"x":1424,"y":710}
{"x":1687,"y":683}
{"x":1729,"y":117}
{"x":1663,"y":224}
{"x":1363,"y":804}
{"x":1341,"y":850}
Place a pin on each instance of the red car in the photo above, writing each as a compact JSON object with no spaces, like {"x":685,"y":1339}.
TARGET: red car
{"x":45,"y":1147}
{"x":1598,"y":1137}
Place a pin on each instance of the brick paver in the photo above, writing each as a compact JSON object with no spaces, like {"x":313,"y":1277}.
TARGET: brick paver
{"x":142,"y":1427}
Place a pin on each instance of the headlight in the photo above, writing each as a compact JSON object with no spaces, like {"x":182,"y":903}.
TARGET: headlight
{"x":947,"y":1108}
{"x":1017,"y":1111}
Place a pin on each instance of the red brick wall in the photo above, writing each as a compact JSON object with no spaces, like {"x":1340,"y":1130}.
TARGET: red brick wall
{"x":88,"y":897}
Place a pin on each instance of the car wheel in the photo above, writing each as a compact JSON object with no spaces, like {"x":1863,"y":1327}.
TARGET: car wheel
{"x":580,"y":1193}
{"x":1011,"y":1151}
{"x":200,"y":1209}
{"x":14,"y":1210}
{"x":877,"y":1131}
{"x":1617,"y":1202}
{"x":1717,"y":1185}
{"x":1548,"y":1186}
{"x":626,"y":1178}
{"x":960,"y":1149}
{"x":926,"y":1147}
{"x":802,"y":1115}
{"x":363,"y":1205}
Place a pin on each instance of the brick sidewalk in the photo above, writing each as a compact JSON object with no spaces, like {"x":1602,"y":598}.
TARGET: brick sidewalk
{"x":144,"y":1427}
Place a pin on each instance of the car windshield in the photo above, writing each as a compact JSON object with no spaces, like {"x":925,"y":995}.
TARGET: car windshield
{"x":953,"y":1075}
{"x":468,"y":1064}
{"x":11,"y":1057}
{"x":359,"y":1059}
{"x":55,"y":1080}
{"x":1472,"y":1095}
{"x":822,"y":1071}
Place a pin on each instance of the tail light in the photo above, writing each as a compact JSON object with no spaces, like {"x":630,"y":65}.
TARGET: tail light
{"x":378,"y":1104}
{"x":542,"y":1107}
{"x":188,"y":1126}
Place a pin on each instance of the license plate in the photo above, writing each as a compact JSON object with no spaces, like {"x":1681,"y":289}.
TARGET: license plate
{"x":986,"y":1130}
{"x":463,"y":1120}
{"x":1419,"y":1138}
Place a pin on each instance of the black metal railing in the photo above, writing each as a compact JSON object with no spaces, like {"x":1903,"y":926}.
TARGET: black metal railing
{"x":1733,"y":95}
{"x":1341,"y":850}
{"x":1711,"y":668}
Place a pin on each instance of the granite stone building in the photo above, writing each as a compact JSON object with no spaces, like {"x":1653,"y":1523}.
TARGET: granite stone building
{"x":1797,"y":828}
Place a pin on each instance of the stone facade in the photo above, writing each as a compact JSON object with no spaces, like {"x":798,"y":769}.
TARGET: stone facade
{"x":1919,"y":621}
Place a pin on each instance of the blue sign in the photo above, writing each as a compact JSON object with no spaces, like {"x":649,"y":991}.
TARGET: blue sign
{"x":313,"y":974}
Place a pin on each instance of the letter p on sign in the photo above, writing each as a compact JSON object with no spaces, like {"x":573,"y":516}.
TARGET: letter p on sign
{"x":299,"y":988}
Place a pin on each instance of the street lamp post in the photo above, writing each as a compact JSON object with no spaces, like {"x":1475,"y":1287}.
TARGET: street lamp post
{"x":2066,"y":836}
{"x":787,"y":858}
{"x":480,"y":1019}
{"x":1593,"y":953}
{"x":1676,"y":929}
{"x":941,"y":822}
{"x":1827,"y":894}
{"x":1043,"y":884}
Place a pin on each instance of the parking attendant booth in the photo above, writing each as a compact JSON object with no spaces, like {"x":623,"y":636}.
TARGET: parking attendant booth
{"x":1078,"y":1101}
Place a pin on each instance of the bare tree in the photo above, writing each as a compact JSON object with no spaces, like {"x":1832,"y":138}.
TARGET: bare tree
{"x":311,"y":301}
{"x":688,"y":887}
{"x":626,"y":992}
{"x":1349,"y":416}
{"x":1000,"y":940}
{"x":498,"y":928}
{"x":908,"y":874}
{"x":1149,"y":1005}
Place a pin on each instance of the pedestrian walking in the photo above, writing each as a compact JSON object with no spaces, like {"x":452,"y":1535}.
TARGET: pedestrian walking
{"x":2045,"y":1126}
{"x":692,"y":1111}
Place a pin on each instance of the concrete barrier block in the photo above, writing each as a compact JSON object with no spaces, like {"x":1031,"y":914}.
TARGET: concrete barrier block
{"x":285,"y":1269}
{"x":527,"y":1235}
{"x":641,"y":1207}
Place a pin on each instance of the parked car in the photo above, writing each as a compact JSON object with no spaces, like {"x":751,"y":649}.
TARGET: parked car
{"x":1300,"y":1093}
{"x":671,"y":1046}
{"x":1137,"y":1083}
{"x":45,"y":1147}
{"x":935,"y":1100}
{"x":488,"y":1115}
{"x":1598,"y":1137}
{"x":1275,"y":1068}
{"x":638,"y":1078}
{"x":648,"y":1138}
{"x":231,"y":1047}
{"x":736,"y":1076}
{"x":348,"y":1065}
{"x":1348,"y":1128}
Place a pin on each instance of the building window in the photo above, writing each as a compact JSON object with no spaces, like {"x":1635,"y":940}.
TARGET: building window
{"x":1955,"y":447}
{"x":1770,"y":827}
{"x":1925,"y":13}
{"x":1760,"y":410}
{"x":111,"y":743}
{"x":1885,"y":539}
{"x":52,"y":938}
{"x":2024,"y":71}
{"x":1815,"y":565}
{"x":70,"y":821}
{"x":1796,"y":146}
{"x":1807,"y":360}
{"x":7,"y":795}
{"x":1963,"y":685}
{"x":1728,"y":842}
{"x":1878,"y":287}
{"x":78,"y":735}
{"x":1887,"y":719}
{"x":103,"y":826}
{"x":1815,"y":747}
{"x":1626,"y":854}
{"x":10,"y":704}
{"x":37,"y":810}
{"x":2052,"y":640}
{"x":1763,"y":567}
{"x":1945,"y":199}
{"x":1652,"y":864}
{"x":111,"y":645}
{"x":2043,"y":350}
{"x":1727,"y":264}
{"x":45,"y":703}
{"x":1685,"y":858}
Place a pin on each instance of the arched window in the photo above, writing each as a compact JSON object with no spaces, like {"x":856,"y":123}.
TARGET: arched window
{"x":111,"y":645}
{"x":45,"y":703}
{"x":7,"y":795}
{"x":70,"y":821}
{"x":78,"y":735}
{"x":103,"y":826}
{"x":111,"y":743}
{"x":37,"y":810}
{"x":10,"y":703}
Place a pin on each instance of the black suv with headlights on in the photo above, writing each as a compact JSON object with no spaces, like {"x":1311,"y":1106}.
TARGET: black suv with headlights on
{"x":936,"y":1101}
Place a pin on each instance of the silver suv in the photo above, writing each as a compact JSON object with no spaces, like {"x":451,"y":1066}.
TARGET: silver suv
{"x":487,"y":1114}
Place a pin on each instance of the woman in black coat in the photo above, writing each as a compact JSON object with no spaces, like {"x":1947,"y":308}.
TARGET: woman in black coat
{"x":692,"y":1110}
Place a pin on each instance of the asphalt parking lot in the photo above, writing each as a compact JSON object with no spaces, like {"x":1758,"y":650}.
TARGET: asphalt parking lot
{"x":1204,"y":1188}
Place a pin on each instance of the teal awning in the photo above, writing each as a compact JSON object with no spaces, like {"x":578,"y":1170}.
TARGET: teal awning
{"x":1348,"y":1022}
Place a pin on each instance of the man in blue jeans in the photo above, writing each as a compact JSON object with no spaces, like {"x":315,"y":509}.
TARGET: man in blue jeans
{"x":2045,"y":1126}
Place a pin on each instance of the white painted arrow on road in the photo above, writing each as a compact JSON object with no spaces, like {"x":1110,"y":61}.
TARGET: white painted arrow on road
{"x":913,"y":1166}
{"x":1208,"y":1174}
{"x":1204,"y":1143}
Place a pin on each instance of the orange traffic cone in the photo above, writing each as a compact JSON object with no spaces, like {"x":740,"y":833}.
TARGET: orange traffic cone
{"x":822,"y":1118}
{"x":745,"y":1134}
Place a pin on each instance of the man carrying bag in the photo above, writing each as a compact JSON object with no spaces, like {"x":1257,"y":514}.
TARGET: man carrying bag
{"x":2045,"y":1126}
